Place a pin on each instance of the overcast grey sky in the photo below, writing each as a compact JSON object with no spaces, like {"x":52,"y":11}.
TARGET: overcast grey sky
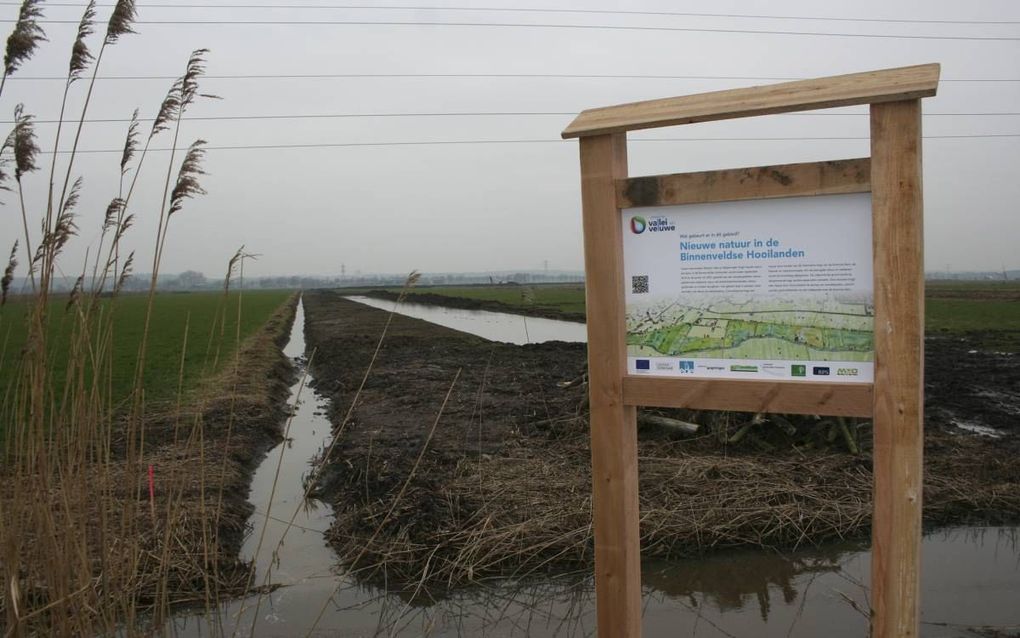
{"x":503,"y":206}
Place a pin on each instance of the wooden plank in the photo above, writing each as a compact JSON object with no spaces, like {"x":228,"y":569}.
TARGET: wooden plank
{"x":783,"y":397}
{"x":899,"y":363}
{"x":871,"y":87}
{"x":613,"y":424}
{"x":759,"y":182}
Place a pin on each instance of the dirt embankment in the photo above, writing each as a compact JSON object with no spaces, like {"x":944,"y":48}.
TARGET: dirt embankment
{"x":465,"y":303}
{"x":182,"y":544}
{"x":500,"y":480}
{"x":205,"y":455}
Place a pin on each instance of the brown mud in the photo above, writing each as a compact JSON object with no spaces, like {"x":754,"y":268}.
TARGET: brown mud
{"x":498,"y":480}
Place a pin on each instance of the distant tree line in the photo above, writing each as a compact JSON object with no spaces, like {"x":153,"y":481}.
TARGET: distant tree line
{"x":195,"y":280}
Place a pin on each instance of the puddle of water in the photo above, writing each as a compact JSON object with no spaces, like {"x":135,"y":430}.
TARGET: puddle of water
{"x":970,"y":576}
{"x":494,"y":326}
{"x":980,"y":430}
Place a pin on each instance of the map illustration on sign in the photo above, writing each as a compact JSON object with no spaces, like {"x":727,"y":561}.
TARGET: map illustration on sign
{"x":776,"y":289}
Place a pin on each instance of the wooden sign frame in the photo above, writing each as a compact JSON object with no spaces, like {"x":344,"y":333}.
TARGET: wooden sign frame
{"x":894,"y":401}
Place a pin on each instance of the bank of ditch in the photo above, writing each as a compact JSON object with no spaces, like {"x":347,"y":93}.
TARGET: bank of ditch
{"x":142,"y":536}
{"x":465,"y":458}
{"x":205,"y":453}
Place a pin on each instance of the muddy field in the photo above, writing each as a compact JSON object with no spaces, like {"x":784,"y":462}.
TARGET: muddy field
{"x":463,"y":458}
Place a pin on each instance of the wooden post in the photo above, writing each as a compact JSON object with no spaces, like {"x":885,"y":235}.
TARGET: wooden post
{"x":613,"y":424}
{"x":894,"y":400}
{"x":899,"y":361}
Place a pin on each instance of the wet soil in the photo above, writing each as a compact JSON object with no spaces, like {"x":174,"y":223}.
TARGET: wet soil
{"x":498,"y":392}
{"x":464,"y":457}
{"x":974,"y":378}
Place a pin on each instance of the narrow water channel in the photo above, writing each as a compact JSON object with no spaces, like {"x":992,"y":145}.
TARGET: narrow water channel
{"x":494,"y":326}
{"x":971,"y":576}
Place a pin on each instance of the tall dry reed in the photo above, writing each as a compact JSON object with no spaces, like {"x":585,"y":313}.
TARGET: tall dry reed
{"x":85,"y":549}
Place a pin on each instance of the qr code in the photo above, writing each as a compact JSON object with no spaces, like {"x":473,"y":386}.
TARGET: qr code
{"x":639,"y":284}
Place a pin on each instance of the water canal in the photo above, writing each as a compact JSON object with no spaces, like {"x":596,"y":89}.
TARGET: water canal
{"x":971,"y":576}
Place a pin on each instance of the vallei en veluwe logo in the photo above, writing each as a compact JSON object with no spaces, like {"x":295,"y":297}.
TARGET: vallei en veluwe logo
{"x":638,"y":224}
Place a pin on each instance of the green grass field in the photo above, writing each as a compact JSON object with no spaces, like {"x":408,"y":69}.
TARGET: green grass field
{"x":562,"y":297}
{"x":959,"y":315}
{"x":172,"y":312}
{"x":952,"y":306}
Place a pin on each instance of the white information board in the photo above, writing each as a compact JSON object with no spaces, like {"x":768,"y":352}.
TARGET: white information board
{"x":777,"y":289}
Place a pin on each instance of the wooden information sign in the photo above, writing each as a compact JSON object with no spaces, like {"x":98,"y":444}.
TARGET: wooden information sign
{"x":881,"y":347}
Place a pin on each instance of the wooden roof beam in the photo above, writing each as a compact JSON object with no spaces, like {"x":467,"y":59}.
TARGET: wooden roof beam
{"x":886,"y":85}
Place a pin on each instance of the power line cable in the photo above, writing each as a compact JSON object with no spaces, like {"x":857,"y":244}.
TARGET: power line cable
{"x":524,"y":141}
{"x":556,"y":76}
{"x":338,"y":7}
{"x":311,"y":116}
{"x":525,"y":25}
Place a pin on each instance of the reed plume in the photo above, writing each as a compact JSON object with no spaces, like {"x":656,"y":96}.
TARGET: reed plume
{"x":189,"y":81}
{"x":121,"y":20}
{"x":65,"y":227}
{"x":125,"y":225}
{"x":22,"y":42}
{"x":111,"y":220}
{"x":167,"y":110}
{"x":232,"y":267}
{"x":5,"y":283}
{"x":75,"y":292}
{"x":125,"y":272}
{"x":412,"y":280}
{"x":80,"y":54}
{"x":5,"y":162}
{"x":130,"y":143}
{"x":182,"y":94}
{"x":25,"y":146}
{"x":128,"y":152}
{"x":113,"y":210}
{"x":187,"y":178}
{"x":23,"y":143}
{"x":120,"y":23}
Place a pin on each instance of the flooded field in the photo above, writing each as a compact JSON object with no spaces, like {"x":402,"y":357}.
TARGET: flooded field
{"x":971,"y":575}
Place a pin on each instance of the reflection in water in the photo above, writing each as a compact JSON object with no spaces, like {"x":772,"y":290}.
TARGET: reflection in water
{"x":494,"y":326}
{"x":971,"y":577}
{"x":731,"y":580}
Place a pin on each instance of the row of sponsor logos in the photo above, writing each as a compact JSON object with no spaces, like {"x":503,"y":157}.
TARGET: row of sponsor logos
{"x":688,"y":366}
